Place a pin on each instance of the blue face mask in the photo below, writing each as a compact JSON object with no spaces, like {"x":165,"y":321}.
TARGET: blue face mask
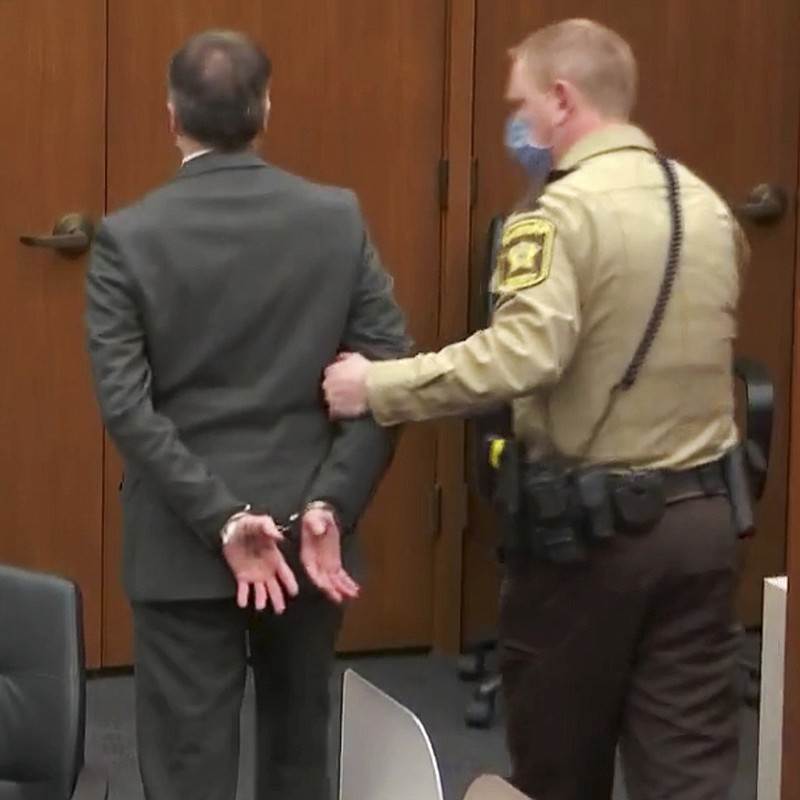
{"x":536,"y":161}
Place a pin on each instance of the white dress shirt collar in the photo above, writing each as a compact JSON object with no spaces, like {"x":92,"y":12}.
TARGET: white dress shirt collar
{"x":196,"y":154}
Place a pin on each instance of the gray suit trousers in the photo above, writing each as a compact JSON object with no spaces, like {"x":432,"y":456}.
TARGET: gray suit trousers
{"x":191,"y":660}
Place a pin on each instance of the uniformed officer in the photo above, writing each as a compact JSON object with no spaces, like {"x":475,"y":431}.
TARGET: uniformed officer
{"x":612,"y":337}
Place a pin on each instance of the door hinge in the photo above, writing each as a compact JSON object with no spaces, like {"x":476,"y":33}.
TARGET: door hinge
{"x":463,"y":507}
{"x":444,"y":182}
{"x":460,"y":507}
{"x":436,"y":510}
{"x":473,"y":183}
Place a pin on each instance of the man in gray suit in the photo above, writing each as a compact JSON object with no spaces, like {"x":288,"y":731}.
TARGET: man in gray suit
{"x":214,"y":305}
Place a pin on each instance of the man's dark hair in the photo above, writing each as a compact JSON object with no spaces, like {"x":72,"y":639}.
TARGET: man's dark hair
{"x":218,"y":82}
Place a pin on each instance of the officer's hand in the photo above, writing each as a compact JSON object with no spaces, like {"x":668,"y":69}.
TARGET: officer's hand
{"x":256,"y":562}
{"x":345,"y":386}
{"x":321,"y":555}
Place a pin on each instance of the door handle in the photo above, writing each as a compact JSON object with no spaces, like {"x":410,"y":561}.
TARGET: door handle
{"x":764,"y":204}
{"x":72,"y":235}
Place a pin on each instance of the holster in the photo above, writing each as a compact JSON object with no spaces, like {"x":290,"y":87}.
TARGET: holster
{"x":740,"y":494}
{"x":539,"y":515}
{"x":505,"y":458}
{"x":554,"y":519}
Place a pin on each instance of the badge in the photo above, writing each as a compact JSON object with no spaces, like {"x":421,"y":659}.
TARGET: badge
{"x":526,"y":252}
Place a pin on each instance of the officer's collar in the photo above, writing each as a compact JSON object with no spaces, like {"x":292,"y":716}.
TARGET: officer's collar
{"x":606,"y":140}
{"x":557,"y":174}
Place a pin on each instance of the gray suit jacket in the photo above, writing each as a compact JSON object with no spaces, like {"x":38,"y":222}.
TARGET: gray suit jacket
{"x":213,"y":306}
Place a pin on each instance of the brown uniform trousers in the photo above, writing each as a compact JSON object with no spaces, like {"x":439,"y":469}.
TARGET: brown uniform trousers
{"x":636,"y":647}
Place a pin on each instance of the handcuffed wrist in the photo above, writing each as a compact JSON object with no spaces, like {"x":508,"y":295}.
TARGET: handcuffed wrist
{"x":229,"y":528}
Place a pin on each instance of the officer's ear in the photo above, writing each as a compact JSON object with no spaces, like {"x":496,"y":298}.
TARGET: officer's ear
{"x":566,"y":99}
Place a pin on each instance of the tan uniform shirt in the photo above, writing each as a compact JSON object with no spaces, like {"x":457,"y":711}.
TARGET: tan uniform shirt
{"x":577,"y":279}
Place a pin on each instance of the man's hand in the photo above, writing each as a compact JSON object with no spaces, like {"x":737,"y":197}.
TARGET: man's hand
{"x":321,"y":555}
{"x":345,"y":386}
{"x":254,"y":558}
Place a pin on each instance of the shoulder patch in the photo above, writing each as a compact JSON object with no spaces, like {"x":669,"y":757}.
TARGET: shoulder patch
{"x":526,"y":252}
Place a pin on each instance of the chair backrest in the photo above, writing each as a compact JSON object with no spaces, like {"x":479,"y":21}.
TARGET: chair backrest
{"x":491,"y":787}
{"x":385,"y":751}
{"x":42,"y":685}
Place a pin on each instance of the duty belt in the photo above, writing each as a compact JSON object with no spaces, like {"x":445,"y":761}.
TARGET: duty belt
{"x":559,"y":513}
{"x":703,"y":481}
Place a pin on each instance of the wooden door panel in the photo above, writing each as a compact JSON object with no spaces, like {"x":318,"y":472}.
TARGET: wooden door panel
{"x":52,"y":134}
{"x":117,"y":620}
{"x":720,"y":91}
{"x":357,"y":100}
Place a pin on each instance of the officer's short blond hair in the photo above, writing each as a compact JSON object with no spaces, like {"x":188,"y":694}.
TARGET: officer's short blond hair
{"x":595,"y":59}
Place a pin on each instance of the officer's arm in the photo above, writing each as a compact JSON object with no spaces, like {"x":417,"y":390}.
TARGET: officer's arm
{"x":528,"y":345}
{"x":123,"y":379}
{"x":362,"y":450}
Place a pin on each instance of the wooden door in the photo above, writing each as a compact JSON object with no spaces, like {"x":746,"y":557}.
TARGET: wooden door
{"x":720,"y":91}
{"x":52,"y":133}
{"x":357,"y":100}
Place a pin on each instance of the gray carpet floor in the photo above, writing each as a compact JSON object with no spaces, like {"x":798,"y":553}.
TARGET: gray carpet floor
{"x":427,"y":684}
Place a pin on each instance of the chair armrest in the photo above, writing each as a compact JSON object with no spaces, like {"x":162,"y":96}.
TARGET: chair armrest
{"x":92,"y":784}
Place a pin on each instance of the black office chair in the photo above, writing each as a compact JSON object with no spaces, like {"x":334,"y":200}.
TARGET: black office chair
{"x":43,"y":691}
{"x":759,"y":405}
